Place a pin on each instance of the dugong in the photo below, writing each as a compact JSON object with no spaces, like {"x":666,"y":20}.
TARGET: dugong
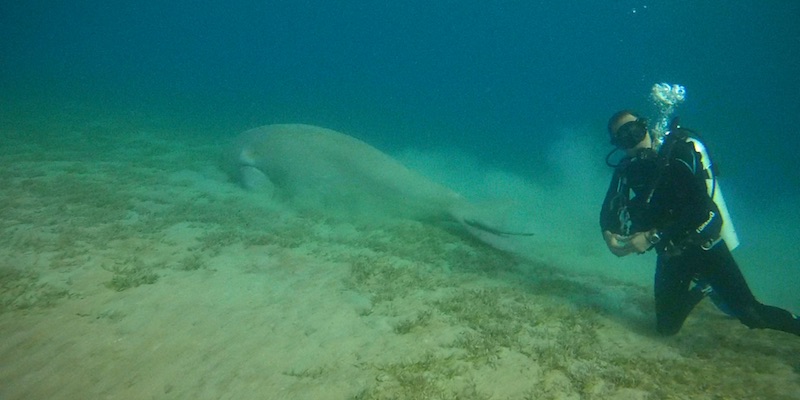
{"x":322,"y":169}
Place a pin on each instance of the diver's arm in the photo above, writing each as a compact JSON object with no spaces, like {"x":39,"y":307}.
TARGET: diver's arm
{"x":618,"y":244}
{"x":609,"y":220}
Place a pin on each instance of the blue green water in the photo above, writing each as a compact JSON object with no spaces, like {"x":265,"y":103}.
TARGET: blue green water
{"x":498,"y":78}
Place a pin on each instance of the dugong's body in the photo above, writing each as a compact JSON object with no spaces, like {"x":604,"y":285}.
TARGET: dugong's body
{"x":320,"y":168}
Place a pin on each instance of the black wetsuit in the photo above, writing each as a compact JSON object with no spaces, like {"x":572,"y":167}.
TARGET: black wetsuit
{"x":668,"y":193}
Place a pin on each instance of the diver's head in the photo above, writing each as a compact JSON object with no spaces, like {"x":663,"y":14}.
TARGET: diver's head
{"x":629,"y":132}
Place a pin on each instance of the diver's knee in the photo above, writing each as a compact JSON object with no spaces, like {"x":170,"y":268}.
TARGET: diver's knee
{"x":667,"y":329}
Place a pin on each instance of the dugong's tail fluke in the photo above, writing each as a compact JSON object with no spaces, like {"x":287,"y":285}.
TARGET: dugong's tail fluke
{"x":486,"y":228}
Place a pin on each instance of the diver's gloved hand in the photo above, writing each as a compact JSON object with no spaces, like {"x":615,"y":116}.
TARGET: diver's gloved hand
{"x":621,"y":245}
{"x":618,"y":244}
{"x":640,"y":242}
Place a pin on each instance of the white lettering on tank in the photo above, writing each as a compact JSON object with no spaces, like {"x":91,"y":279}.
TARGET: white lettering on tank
{"x":708,"y":221}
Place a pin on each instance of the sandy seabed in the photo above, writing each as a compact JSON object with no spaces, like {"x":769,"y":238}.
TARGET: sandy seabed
{"x":131,"y":268}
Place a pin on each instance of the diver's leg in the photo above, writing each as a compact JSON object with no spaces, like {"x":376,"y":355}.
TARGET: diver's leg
{"x":674,"y":300}
{"x":728,"y":282}
{"x":770,"y":317}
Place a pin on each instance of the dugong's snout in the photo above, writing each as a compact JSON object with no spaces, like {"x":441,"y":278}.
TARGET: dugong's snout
{"x":250,"y":176}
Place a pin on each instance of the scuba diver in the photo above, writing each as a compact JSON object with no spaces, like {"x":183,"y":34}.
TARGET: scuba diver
{"x":662,"y":197}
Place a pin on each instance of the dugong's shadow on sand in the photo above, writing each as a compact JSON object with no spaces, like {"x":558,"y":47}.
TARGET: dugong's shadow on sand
{"x":320,"y":169}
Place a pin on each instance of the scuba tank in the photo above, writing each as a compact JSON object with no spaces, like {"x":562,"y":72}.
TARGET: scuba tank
{"x":727,"y":231}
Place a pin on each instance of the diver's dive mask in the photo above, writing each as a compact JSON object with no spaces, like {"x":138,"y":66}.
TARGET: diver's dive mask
{"x":630,"y":134}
